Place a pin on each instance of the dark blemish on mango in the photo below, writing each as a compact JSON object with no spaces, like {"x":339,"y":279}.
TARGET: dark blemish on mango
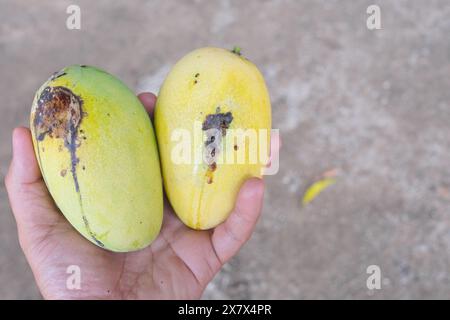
{"x":108,"y":115}
{"x":221,"y":122}
{"x":197,"y":74}
{"x":93,"y":236}
{"x":58,"y":115}
{"x":195,"y":82}
{"x":63,"y":172}
{"x":236,"y":147}
{"x":83,"y":167}
{"x":83,"y":66}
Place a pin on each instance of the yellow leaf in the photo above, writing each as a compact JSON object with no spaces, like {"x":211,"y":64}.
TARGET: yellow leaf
{"x":316,"y":188}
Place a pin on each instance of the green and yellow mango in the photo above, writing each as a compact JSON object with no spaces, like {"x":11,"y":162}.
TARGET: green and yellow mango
{"x":97,"y":152}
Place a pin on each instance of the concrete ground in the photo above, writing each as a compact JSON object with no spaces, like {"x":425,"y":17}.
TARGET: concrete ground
{"x":375,"y":105}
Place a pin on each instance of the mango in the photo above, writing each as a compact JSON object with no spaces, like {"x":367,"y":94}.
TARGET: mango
{"x":97,"y":152}
{"x":211,"y":89}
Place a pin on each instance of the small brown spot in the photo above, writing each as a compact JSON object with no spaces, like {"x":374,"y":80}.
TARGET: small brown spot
{"x":83,"y":167}
{"x":219,"y":121}
{"x":195,"y":82}
{"x":197,"y":74}
{"x":108,"y":115}
{"x":63,"y":172}
{"x":236,"y":147}
{"x":210,"y":173}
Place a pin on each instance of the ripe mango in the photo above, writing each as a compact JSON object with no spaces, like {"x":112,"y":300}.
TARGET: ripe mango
{"x":211,"y":88}
{"x":97,"y":152}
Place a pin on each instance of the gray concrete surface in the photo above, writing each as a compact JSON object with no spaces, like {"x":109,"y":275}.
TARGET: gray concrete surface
{"x":374,"y":104}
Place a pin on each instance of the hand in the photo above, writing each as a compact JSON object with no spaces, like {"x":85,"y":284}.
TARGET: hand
{"x":177,"y":265}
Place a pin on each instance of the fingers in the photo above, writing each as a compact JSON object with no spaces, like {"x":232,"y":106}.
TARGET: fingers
{"x":231,"y":235}
{"x":24,"y":168}
{"x":30,"y":201}
{"x":148,"y":100}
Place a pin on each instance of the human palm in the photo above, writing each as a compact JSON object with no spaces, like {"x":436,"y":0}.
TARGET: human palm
{"x":177,"y":265}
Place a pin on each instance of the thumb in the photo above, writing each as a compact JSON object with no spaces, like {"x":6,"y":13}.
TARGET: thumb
{"x":32,"y":205}
{"x":232,"y":234}
{"x":24,"y":168}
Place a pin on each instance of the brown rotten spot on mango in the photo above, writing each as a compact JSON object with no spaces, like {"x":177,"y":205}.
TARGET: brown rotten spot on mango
{"x":58,"y":115}
{"x":219,"y":122}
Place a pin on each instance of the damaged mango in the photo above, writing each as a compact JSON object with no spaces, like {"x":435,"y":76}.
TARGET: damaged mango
{"x":97,"y":152}
{"x":213,"y":106}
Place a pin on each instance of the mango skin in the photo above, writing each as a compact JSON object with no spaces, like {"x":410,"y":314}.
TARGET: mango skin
{"x":198,"y":84}
{"x":107,"y":182}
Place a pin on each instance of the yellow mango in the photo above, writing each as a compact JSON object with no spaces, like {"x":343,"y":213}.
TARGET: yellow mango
{"x":211,"y":88}
{"x":97,"y":152}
